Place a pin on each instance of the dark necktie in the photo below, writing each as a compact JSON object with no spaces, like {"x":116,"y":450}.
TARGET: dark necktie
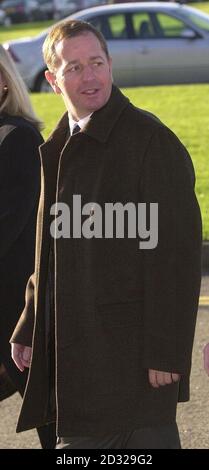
{"x":76,"y":129}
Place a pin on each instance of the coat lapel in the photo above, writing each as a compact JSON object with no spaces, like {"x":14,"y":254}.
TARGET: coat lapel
{"x":50,"y":153}
{"x":102,"y":121}
{"x":99,"y":127}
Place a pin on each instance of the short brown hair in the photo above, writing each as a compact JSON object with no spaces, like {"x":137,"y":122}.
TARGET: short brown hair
{"x":68,"y":29}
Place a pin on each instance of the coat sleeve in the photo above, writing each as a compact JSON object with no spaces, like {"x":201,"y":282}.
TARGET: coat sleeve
{"x":19,"y":189}
{"x":23,"y":332}
{"x":19,"y":183}
{"x":172,"y":269}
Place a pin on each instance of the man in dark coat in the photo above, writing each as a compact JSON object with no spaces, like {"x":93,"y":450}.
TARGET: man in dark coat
{"x":108,"y":322}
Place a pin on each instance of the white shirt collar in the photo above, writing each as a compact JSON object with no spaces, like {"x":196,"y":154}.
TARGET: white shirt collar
{"x":81,"y":123}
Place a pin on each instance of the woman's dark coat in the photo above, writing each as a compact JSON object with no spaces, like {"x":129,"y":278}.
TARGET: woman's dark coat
{"x":19,"y":195}
{"x":119,"y":310}
{"x":19,"y":192}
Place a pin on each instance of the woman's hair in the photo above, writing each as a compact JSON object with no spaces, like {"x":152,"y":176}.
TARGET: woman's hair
{"x":14,"y":98}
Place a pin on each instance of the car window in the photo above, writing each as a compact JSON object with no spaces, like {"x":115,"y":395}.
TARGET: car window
{"x":169,"y":27}
{"x":117,"y":25}
{"x":111,"y":26}
{"x":142,"y":26}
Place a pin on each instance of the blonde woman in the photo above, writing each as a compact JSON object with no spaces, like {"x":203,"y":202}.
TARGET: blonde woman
{"x":19,"y":193}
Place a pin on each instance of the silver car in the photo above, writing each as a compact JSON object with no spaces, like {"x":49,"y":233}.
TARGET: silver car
{"x":150,"y":43}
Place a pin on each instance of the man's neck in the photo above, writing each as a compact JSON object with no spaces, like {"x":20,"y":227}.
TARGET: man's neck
{"x":81,"y":121}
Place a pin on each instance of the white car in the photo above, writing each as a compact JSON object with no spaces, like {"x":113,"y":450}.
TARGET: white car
{"x":150,"y":43}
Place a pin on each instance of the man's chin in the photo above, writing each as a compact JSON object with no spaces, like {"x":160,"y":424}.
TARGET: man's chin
{"x":96,"y":104}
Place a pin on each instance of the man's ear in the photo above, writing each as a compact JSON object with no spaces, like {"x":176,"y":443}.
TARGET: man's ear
{"x":50,"y":77}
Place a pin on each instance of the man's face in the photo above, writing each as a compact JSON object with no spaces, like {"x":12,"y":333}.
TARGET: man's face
{"x":83,"y":75}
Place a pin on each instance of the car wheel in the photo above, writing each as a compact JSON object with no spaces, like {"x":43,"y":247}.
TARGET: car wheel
{"x":42,"y":85}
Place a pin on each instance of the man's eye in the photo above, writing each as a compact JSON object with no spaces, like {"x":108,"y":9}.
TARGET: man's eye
{"x":74,"y":68}
{"x":97,"y":64}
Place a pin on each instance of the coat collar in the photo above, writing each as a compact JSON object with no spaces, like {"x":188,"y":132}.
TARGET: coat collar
{"x":102,"y":121}
{"x":99,"y":126}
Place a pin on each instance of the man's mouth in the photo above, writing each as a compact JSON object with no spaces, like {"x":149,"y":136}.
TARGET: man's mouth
{"x":90,"y":91}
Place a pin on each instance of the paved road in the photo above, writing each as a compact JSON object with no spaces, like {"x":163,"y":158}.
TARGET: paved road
{"x":193,"y":417}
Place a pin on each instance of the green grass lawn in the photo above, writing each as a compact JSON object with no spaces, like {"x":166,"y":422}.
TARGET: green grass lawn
{"x":22,"y":30}
{"x":183,"y":108}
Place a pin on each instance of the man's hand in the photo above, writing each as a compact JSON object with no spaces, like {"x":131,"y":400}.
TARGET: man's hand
{"x":157,"y":377}
{"x":206,"y":358}
{"x":21,"y":355}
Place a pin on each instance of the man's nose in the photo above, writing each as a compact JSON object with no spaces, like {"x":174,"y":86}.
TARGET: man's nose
{"x":88,"y":73}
